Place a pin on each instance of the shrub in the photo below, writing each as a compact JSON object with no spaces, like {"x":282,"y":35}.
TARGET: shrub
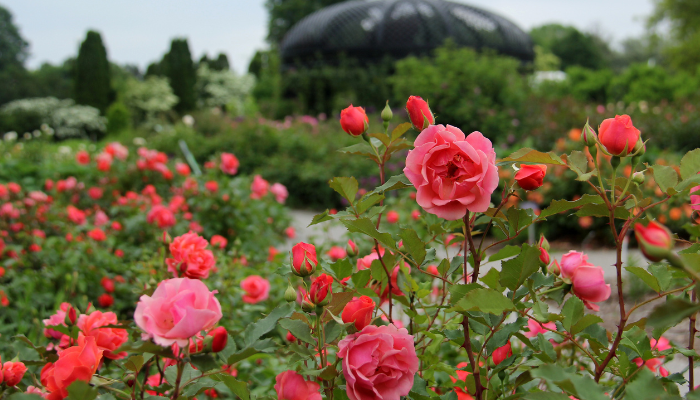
{"x":118,"y":118}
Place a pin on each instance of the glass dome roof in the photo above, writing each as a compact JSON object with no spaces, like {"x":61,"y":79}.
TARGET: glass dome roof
{"x":372,"y":29}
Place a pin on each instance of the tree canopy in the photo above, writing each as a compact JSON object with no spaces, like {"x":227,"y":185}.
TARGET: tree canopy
{"x":283,"y":14}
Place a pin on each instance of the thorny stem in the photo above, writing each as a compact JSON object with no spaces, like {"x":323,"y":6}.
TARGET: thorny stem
{"x":465,"y":321}
{"x":180,"y":368}
{"x":691,"y":346}
{"x":388,"y":275}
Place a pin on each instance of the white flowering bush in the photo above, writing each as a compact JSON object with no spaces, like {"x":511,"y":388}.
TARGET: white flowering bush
{"x":223,"y":88}
{"x":49,"y":115}
{"x":150,"y":98}
{"x":78,"y":121}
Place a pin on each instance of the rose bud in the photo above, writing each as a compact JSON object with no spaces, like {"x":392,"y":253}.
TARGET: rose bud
{"x":419,"y":113}
{"x":304,"y":260}
{"x":351,"y":249}
{"x":638,"y":178}
{"x":543,"y":243}
{"x":386,"y":114}
{"x":358,"y":310}
{"x":13,"y":372}
{"x":220,"y":338}
{"x":306,"y":304}
{"x":618,"y":135}
{"x":71,"y":316}
{"x":320,"y":292}
{"x":502,"y":353}
{"x":544,"y":257}
{"x":588,"y":135}
{"x":107,"y":284}
{"x":290,"y":294}
{"x":530,"y":177}
{"x":290,"y":338}
{"x":554,"y":268}
{"x":588,"y":284}
{"x":392,"y":217}
{"x":655,"y":240}
{"x":354,"y":121}
{"x":105,"y":300}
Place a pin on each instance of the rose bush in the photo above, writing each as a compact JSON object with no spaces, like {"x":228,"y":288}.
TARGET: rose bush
{"x":443,"y":303}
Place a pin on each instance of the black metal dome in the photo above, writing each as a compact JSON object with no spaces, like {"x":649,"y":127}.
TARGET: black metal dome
{"x":372,"y":29}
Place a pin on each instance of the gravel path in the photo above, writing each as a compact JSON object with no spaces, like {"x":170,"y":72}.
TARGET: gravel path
{"x":603,"y":257}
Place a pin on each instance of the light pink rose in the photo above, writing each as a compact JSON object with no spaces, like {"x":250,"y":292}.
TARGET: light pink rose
{"x":536,"y":328}
{"x":229,"y":163}
{"x":259,"y":187}
{"x":280,"y":192}
{"x":379,"y":363}
{"x":57,"y":319}
{"x":178,"y":309}
{"x":695,"y":198}
{"x":570,"y":262}
{"x":589,"y":285}
{"x":291,"y":386}
{"x":256,"y":289}
{"x":452,"y":174}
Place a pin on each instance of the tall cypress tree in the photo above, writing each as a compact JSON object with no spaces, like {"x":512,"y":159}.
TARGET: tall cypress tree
{"x":178,"y":66}
{"x":92,"y":74}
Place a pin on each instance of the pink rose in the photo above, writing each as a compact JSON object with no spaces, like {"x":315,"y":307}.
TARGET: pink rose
{"x":280,"y":192}
{"x":359,"y":310}
{"x":618,"y":135}
{"x":229,"y":163}
{"x":695,"y":198}
{"x":107,"y":339}
{"x":336,"y":253}
{"x":570,"y":262}
{"x":259,"y":187}
{"x":79,"y":362}
{"x":191,"y":258}
{"x":655,"y":364}
{"x":257,"y":289}
{"x":13,"y":372}
{"x":178,"y":309}
{"x":57,"y":319}
{"x":535,"y":328}
{"x":117,"y":150}
{"x":452,"y":174}
{"x":379,"y":362}
{"x":74,"y":215}
{"x":291,"y":386}
{"x":589,"y":285}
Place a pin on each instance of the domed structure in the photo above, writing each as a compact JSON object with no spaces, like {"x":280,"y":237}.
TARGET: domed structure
{"x":371,"y":29}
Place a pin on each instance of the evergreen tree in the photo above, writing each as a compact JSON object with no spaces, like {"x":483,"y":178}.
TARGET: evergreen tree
{"x":92,"y":74}
{"x":14,"y":78}
{"x":178,"y":67}
{"x":220,"y":64}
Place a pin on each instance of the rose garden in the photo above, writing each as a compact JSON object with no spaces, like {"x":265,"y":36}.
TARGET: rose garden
{"x":507,"y":239}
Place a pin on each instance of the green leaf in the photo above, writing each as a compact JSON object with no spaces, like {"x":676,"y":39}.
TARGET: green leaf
{"x":518,"y":219}
{"x":585,"y":322}
{"x":322,"y":217}
{"x":346,"y":187}
{"x":81,"y":390}
{"x":492,"y":278}
{"x":545,"y":396}
{"x":663,"y":275}
{"x":187,"y":373}
{"x":299,"y":329}
{"x":485,"y":300}
{"x":601,"y":210}
{"x":516,"y":270}
{"x":558,"y":206}
{"x":368,"y":201}
{"x":666,"y":177}
{"x":572,"y":312}
{"x":580,"y":386}
{"x":646,"y":277}
{"x":362,"y":148}
{"x":506,"y":252}
{"x":526,"y":155}
{"x":24,"y":396}
{"x":361,"y":278}
{"x":367,"y":227}
{"x":255,"y":331}
{"x":382,"y":137}
{"x":415,"y":246}
{"x":341,"y":268}
{"x":400,"y":130}
{"x":134,"y":363}
{"x":690,"y":164}
{"x":645,"y":386}
{"x":394,"y":183}
{"x":458,"y":291}
{"x":546,"y":347}
{"x":671,"y":313}
{"x":200,"y":386}
{"x":578,"y":162}
{"x":238,"y":388}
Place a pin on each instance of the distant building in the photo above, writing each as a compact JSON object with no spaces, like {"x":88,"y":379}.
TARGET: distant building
{"x":370,"y":30}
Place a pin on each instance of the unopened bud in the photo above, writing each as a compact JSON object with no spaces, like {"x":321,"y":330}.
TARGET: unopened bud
{"x":71,"y":316}
{"x":290,"y":294}
{"x":589,"y":136}
{"x":387,"y":115}
{"x":351,"y":249}
{"x":220,"y":338}
{"x":554,"y":269}
{"x":655,"y":240}
{"x":167,"y":239}
{"x":638,"y":178}
{"x":639,"y":148}
{"x":543,"y":243}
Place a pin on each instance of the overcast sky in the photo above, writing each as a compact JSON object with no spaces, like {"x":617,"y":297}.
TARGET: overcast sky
{"x":139,"y":31}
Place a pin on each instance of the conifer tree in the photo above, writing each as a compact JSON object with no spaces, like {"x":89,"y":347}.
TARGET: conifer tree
{"x":178,"y":67}
{"x":92,"y":74}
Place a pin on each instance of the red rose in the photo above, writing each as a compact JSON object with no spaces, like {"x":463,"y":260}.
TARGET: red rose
{"x":321,"y":290}
{"x":79,"y":362}
{"x":13,"y":372}
{"x":359,"y":310}
{"x":530,"y":177}
{"x":419,"y":113}
{"x":105,"y":300}
{"x":220,"y":338}
{"x":354,"y":121}
{"x":191,"y":258}
{"x":618,"y":135}
{"x":502,"y":353}
{"x":304,"y":259}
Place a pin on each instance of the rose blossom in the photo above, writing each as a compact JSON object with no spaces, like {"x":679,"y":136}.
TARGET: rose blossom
{"x":589,"y":285}
{"x":452,"y":174}
{"x":190,"y":256}
{"x":353,"y":120}
{"x":183,"y":169}
{"x":419,"y":113}
{"x":107,"y":339}
{"x":336,"y":253}
{"x":178,"y":309}
{"x":259,"y":187}
{"x":289,"y":385}
{"x":655,"y":363}
{"x":13,"y":372}
{"x":257,"y":289}
{"x":304,"y":259}
{"x":104,"y":161}
{"x":570,"y":262}
{"x":462,"y":375}
{"x":535,"y":328}
{"x":359,"y":310}
{"x":75,"y":216}
{"x":229,"y":163}
{"x":502,"y":353}
{"x":654,"y":240}
{"x":82,"y":157}
{"x":57,"y":319}
{"x":117,"y":150}
{"x":79,"y":362}
{"x":162,"y":216}
{"x":218,"y":241}
{"x":379,"y":362}
{"x":617,"y":134}
{"x":530,"y":177}
{"x":280,"y":192}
